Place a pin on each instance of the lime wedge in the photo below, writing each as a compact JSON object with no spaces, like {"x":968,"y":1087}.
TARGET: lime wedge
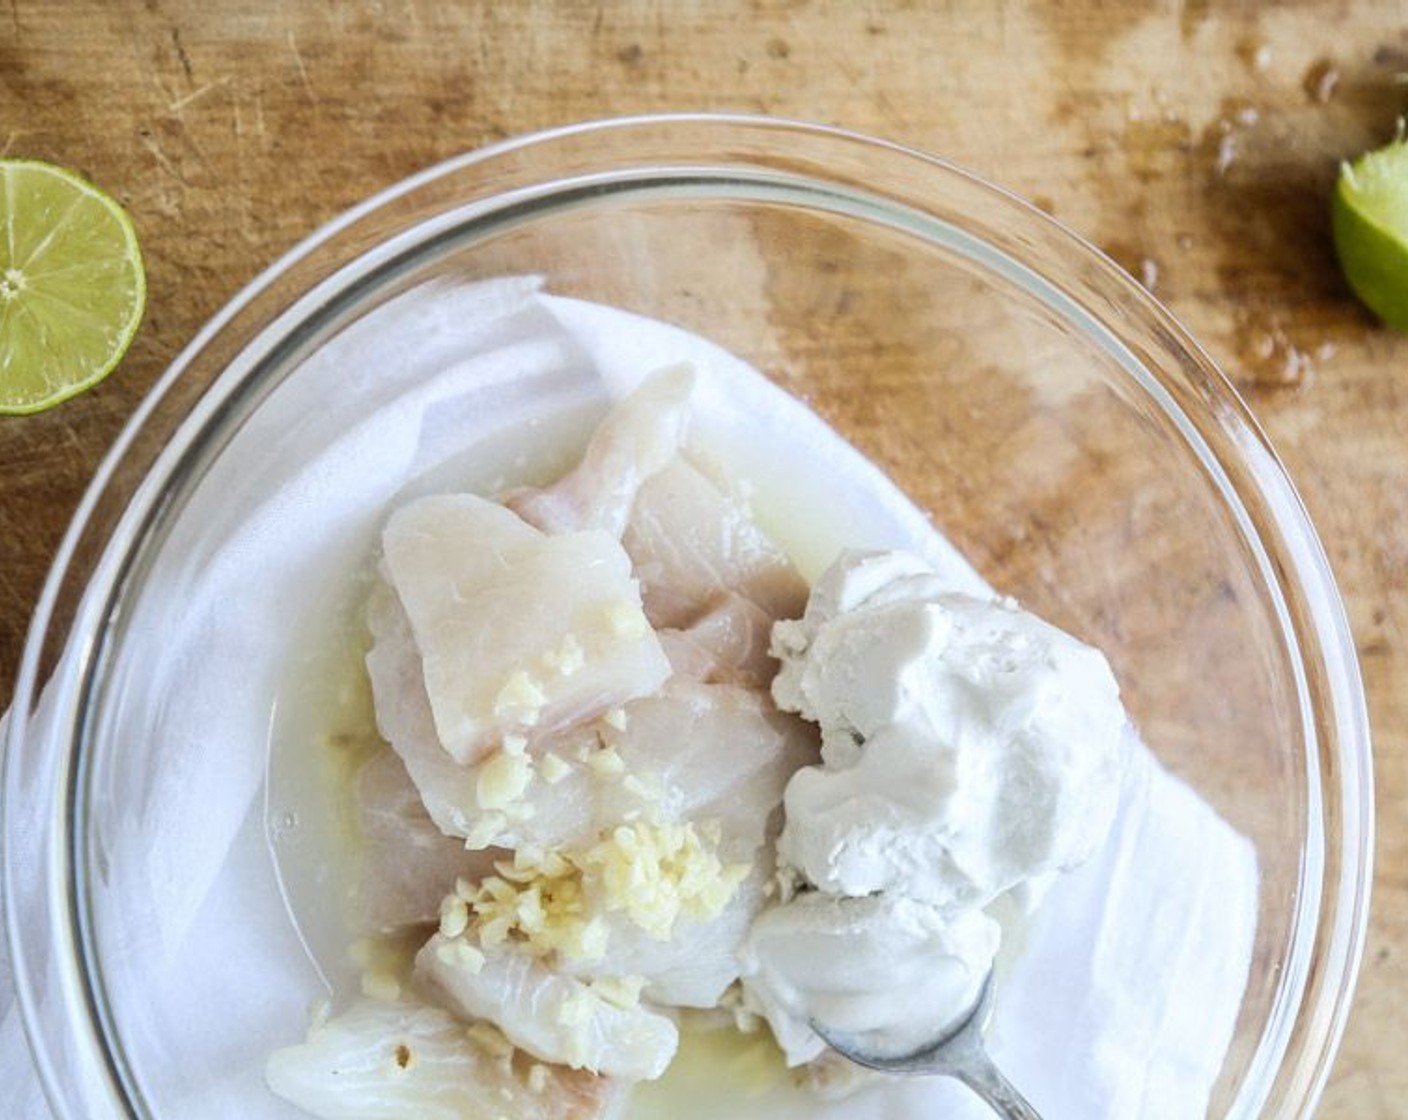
{"x":72,"y":287}
{"x":1370,"y":218}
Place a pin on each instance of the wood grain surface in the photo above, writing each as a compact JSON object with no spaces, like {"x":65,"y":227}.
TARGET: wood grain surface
{"x":1195,"y":143}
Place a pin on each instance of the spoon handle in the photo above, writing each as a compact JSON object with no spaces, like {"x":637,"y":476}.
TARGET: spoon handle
{"x":985,"y":1079}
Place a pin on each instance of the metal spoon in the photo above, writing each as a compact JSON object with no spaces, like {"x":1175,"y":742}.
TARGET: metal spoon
{"x":958,"y":1053}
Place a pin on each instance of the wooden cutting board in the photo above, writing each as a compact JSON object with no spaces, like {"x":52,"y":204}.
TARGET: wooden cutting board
{"x":1195,"y":143}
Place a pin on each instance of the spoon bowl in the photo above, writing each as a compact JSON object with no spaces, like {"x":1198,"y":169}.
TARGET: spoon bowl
{"x":958,"y":1053}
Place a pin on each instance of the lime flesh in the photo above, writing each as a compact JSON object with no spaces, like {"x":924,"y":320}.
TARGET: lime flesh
{"x":72,"y":288}
{"x":1370,"y":220}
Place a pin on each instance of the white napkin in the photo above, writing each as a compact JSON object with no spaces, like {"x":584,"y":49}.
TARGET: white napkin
{"x":1122,"y":1005}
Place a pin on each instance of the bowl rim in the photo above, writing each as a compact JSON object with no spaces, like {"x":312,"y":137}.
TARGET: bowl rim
{"x":1303,"y":567}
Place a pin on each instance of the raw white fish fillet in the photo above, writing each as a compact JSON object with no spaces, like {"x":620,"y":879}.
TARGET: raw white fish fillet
{"x":699,"y":752}
{"x":562,"y":813}
{"x":480,"y":595}
{"x":516,"y":629}
{"x":394,"y":1061}
{"x":714,"y":752}
{"x":691,"y":543}
{"x":406,"y":865}
{"x":726,"y":771}
{"x":727,"y":644}
{"x":698,"y":963}
{"x":555,"y":1017}
{"x":728,"y":768}
{"x":640,"y":435}
{"x":702,"y":751}
{"x":404,"y":719}
{"x":732,"y":763}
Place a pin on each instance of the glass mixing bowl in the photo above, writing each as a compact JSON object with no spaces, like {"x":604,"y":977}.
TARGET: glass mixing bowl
{"x":1061,"y":428}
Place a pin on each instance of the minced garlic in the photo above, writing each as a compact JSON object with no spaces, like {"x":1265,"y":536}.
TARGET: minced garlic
{"x":553,"y":902}
{"x":568,"y":658}
{"x":490,"y":1039}
{"x":553,"y":768}
{"x":381,"y":986}
{"x":656,"y":872}
{"x":454,"y":915}
{"x":625,"y":619}
{"x":485,"y":831}
{"x":537,"y":901}
{"x":460,"y":954}
{"x":575,"y":1014}
{"x":619,"y":991}
{"x":578,"y":1010}
{"x":606,"y":761}
{"x":616,"y":719}
{"x":503,"y":779}
{"x":520,"y":697}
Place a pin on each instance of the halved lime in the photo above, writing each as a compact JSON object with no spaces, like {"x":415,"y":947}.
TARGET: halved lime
{"x":1370,"y":218}
{"x":72,"y":289}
